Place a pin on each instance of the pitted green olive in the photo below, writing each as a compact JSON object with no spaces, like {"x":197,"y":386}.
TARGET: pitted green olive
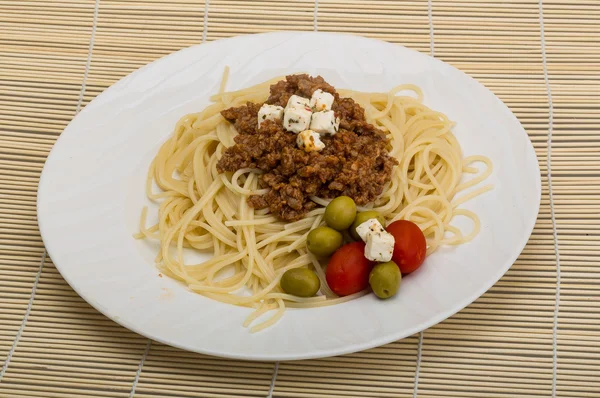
{"x":385,"y":279}
{"x":301,"y":282}
{"x":340,"y":213}
{"x":323,"y":241}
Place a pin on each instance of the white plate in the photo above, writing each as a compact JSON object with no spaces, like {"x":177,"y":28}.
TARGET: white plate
{"x":92,"y":190}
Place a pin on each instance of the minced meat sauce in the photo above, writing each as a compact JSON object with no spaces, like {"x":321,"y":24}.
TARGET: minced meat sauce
{"x":355,"y":162}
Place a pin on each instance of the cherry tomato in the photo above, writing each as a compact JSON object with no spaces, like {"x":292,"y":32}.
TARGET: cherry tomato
{"x":348,"y":269}
{"x":409,"y":247}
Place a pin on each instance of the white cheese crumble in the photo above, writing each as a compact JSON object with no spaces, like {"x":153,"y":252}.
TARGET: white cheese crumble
{"x":297,"y":101}
{"x":380,"y":246}
{"x":368,"y":227}
{"x":296,"y":119}
{"x":269,"y":112}
{"x":309,"y":141}
{"x":325,"y":123}
{"x":321,"y":101}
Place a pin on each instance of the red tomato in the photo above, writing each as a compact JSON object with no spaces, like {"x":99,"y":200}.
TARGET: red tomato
{"x":409,"y":247}
{"x":348,"y":269}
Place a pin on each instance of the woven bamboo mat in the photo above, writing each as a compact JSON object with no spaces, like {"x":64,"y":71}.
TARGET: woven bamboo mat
{"x":536,"y":333}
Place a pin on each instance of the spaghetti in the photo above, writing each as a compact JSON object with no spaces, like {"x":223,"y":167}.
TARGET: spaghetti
{"x":205,"y":210}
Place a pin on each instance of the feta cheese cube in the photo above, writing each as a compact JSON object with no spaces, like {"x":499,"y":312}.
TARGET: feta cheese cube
{"x":296,"y":119}
{"x":325,"y":123}
{"x":370,"y":226}
{"x":297,"y":101}
{"x":269,"y":112}
{"x":380,"y":246}
{"x":321,"y":101}
{"x":310,"y":141}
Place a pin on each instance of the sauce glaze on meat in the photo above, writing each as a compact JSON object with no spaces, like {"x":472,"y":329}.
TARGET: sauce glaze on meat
{"x":355,"y":161}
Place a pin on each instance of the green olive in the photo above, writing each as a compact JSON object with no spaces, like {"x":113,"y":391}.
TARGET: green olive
{"x":301,"y":282}
{"x":385,"y":279}
{"x":323,"y":241}
{"x":361,"y":218}
{"x":340,"y":213}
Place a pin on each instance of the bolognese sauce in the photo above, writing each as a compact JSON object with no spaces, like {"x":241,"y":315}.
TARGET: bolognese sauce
{"x":355,"y":161}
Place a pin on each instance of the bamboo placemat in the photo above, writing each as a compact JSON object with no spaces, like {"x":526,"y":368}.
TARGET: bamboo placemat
{"x":536,"y":333}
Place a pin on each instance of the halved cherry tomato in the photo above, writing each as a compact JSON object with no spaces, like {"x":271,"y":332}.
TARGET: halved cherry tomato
{"x":409,"y":247}
{"x":348,"y":269}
